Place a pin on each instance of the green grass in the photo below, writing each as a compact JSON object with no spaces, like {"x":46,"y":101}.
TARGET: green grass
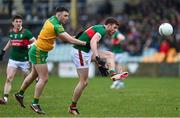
{"x":142,"y":96}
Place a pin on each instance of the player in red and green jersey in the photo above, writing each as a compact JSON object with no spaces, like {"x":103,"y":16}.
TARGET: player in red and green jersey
{"x":20,"y":38}
{"x":82,"y":57}
{"x":52,"y":30}
{"x":116,"y":40}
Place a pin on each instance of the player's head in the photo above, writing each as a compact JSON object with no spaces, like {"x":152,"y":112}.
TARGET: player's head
{"x":111,"y":25}
{"x":17,"y":21}
{"x":62,"y":14}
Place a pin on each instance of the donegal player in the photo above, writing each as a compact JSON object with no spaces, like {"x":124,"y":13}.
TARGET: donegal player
{"x":52,"y":29}
{"x":20,"y":38}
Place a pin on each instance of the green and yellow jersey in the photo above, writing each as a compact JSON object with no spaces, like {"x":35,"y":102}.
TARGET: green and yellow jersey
{"x":52,"y":27}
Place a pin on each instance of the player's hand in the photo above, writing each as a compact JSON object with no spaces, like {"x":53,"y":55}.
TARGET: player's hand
{"x":103,"y":70}
{"x":78,"y":35}
{"x":1,"y":55}
{"x":100,"y":61}
{"x":88,"y":45}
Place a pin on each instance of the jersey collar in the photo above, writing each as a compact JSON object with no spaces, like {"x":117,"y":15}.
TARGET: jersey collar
{"x":57,"y":19}
{"x":18,"y":30}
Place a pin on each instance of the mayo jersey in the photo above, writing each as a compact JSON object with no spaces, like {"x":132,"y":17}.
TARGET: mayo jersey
{"x":116,"y":47}
{"x":52,"y":27}
{"x":19,"y":44}
{"x":88,"y":34}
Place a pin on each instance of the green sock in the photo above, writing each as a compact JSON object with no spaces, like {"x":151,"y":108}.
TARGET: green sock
{"x":74,"y":102}
{"x":35,"y":101}
{"x":6,"y":95}
{"x":112,"y":72}
{"x":21,"y":92}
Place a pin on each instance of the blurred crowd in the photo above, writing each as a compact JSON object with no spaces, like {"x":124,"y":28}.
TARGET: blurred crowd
{"x":139,"y":21}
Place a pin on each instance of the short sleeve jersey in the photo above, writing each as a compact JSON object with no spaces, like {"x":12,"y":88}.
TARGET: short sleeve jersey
{"x":116,"y":48}
{"x":51,"y":28}
{"x":88,"y":34}
{"x":20,"y":41}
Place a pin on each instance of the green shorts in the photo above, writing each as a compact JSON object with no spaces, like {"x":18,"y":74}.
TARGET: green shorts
{"x":37,"y":56}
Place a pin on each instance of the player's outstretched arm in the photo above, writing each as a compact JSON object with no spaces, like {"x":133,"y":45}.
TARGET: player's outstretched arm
{"x":66,"y":37}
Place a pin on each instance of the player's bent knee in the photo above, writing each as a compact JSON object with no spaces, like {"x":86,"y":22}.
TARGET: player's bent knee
{"x":45,"y":80}
{"x":85,"y":83}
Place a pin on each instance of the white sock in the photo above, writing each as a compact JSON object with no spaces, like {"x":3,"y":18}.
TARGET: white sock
{"x":6,"y":99}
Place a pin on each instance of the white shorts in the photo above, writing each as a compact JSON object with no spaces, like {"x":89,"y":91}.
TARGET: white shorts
{"x":118,"y":57}
{"x":80,"y":58}
{"x":24,"y":66}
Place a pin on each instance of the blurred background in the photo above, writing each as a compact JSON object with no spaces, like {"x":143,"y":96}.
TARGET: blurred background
{"x":145,"y":52}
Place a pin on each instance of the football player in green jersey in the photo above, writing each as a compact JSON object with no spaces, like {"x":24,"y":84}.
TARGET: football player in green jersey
{"x":116,"y":40}
{"x":20,"y":38}
{"x":82,"y":57}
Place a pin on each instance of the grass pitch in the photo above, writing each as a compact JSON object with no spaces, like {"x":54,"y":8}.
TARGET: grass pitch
{"x":141,"y":97}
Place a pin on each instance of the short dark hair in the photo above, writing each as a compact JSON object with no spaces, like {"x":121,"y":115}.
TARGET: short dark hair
{"x":111,"y":20}
{"x":17,"y":17}
{"x":60,"y":9}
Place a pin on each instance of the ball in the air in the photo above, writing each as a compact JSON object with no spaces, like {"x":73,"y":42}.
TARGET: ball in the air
{"x":165,"y":29}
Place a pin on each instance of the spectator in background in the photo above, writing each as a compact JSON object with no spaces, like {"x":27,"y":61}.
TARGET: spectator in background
{"x":28,"y":8}
{"x":106,"y":8}
{"x":1,"y":35}
{"x":8,"y":4}
{"x":164,"y":47}
{"x":133,"y":40}
{"x":42,"y":8}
